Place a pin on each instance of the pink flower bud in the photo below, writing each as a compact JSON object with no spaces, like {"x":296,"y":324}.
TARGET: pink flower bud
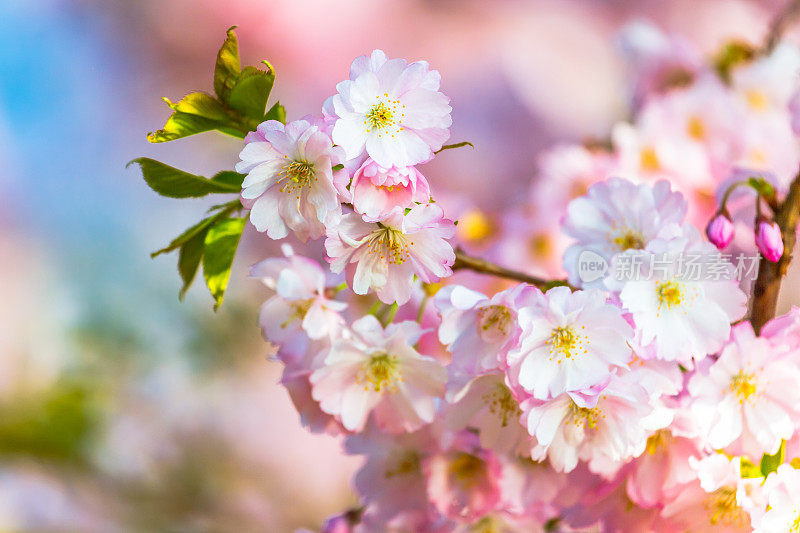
{"x":769,"y":240}
{"x":720,"y":230}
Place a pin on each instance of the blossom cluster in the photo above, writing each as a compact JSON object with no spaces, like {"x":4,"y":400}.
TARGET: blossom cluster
{"x":602,"y":404}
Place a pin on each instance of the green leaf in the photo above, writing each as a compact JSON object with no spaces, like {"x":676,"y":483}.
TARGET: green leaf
{"x":181,"y":125}
{"x":229,"y":177}
{"x":220,"y":248}
{"x":173,"y":183}
{"x":189,"y":260}
{"x":197,"y":228}
{"x":276,"y":112}
{"x":227,"y":68}
{"x":770,"y":463}
{"x":200,"y":104}
{"x":250,"y":93}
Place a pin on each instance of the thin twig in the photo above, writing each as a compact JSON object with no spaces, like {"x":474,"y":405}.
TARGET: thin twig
{"x":482,"y":266}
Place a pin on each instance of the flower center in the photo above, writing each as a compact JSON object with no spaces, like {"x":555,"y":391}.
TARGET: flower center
{"x":565,"y":343}
{"x":297,"y":174}
{"x":465,"y":469}
{"x":648,"y":159}
{"x":502,"y":404}
{"x":494,"y":322}
{"x":695,"y":128}
{"x":629,"y":240}
{"x":669,"y":293}
{"x":391,"y":244}
{"x":406,"y":464}
{"x":723,"y":510}
{"x":299,"y":310}
{"x":380,"y":373}
{"x":584,"y":417}
{"x":385,"y":116}
{"x":743,"y":385}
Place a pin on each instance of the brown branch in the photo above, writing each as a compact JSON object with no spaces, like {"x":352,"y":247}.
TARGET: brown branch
{"x":768,"y":282}
{"x":482,"y":266}
{"x":779,"y":25}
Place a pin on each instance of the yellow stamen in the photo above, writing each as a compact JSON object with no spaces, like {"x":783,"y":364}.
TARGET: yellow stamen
{"x":629,"y":240}
{"x":723,"y":509}
{"x":380,"y":373}
{"x":502,"y":404}
{"x":669,"y":293}
{"x":743,"y":385}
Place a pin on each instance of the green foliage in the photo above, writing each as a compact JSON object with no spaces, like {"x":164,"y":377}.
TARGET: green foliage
{"x":204,"y":243}
{"x":770,"y":463}
{"x":56,"y":424}
{"x":189,"y":257}
{"x":221,"y":242}
{"x":227,"y":68}
{"x":173,"y":183}
{"x":239,"y":105}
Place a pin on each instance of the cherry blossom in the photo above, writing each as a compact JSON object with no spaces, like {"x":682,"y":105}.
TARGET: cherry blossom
{"x":569,"y":342}
{"x":748,"y":399}
{"x":378,"y":371}
{"x":386,"y":255}
{"x":290,"y":179}
{"x":392,"y":109}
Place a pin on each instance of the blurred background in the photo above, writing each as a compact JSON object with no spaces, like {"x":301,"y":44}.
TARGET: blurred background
{"x":123,"y":409}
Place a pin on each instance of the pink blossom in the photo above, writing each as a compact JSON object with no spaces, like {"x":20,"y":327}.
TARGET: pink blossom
{"x":290,"y":179}
{"x":300,"y":309}
{"x":487,"y":406}
{"x":615,"y":216}
{"x":720,"y":230}
{"x":532,"y":487}
{"x":784,"y":331}
{"x":716,"y":500}
{"x":605,"y":430}
{"x":684,"y":315}
{"x":376,"y":191}
{"x":663,"y":467}
{"x":477,"y":330}
{"x":392,"y":109}
{"x":391,"y":484}
{"x":782,"y":492}
{"x":464,"y":481}
{"x":748,"y":400}
{"x":769,"y":240}
{"x":569,"y":342}
{"x":378,"y":371}
{"x":387,"y":255}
